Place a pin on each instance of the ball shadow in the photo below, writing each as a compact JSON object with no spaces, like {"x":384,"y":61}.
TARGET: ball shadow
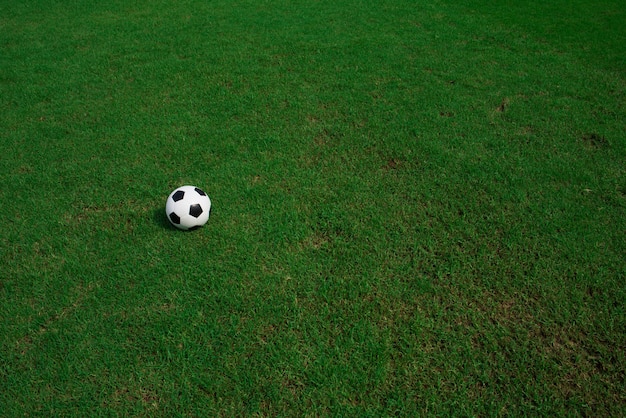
{"x":159,"y":218}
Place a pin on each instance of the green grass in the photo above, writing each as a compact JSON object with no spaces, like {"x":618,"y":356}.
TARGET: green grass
{"x":418,"y":208}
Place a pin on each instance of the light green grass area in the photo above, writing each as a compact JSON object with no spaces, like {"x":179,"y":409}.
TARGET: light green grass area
{"x":418,"y":208}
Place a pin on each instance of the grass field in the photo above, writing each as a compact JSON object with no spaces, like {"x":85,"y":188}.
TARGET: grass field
{"x":418,"y":208}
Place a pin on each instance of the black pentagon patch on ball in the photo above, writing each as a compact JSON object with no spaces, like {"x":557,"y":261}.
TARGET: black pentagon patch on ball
{"x":174,"y":218}
{"x":178,"y":196}
{"x":200,"y":192}
{"x":195,"y":210}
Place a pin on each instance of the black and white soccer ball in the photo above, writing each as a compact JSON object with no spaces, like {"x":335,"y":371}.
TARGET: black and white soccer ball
{"x":188,"y":207}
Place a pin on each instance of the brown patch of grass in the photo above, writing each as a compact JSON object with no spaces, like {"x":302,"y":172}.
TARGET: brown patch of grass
{"x":595,"y":140}
{"x":504,"y":105}
{"x":315,"y":241}
{"x":392,"y":164}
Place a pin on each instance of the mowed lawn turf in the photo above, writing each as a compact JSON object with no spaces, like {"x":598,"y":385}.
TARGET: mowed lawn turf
{"x":418,"y":208}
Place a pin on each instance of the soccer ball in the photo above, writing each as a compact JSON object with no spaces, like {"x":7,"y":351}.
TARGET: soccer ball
{"x":188,"y":207}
